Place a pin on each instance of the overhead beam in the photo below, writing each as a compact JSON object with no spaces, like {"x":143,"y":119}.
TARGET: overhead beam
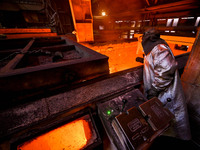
{"x":17,"y":36}
{"x":185,"y":3}
{"x":23,"y":30}
{"x":169,"y":8}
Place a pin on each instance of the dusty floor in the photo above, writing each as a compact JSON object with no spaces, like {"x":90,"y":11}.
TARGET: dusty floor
{"x":122,"y":55}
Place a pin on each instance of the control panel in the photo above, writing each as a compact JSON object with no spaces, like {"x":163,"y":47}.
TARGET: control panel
{"x":133,"y":122}
{"x":108,"y":110}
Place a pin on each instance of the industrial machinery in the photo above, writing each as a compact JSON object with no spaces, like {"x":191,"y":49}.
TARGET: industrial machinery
{"x":133,"y":122}
{"x":68,"y":68}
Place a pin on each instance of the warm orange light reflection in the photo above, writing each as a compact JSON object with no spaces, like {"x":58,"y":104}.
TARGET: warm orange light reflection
{"x":122,"y":56}
{"x":72,"y":136}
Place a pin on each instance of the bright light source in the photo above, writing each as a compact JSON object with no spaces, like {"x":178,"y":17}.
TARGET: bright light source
{"x":108,"y":112}
{"x":175,"y":22}
{"x":101,"y":27}
{"x":74,"y":32}
{"x":72,"y":136}
{"x":103,"y":13}
{"x":161,"y":19}
{"x":169,"y":22}
{"x":197,"y":22}
{"x":187,"y":18}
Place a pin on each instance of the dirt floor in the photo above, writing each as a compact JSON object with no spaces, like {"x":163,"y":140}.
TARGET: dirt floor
{"x":122,"y":55}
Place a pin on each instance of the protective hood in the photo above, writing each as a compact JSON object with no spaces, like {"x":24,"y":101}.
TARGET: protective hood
{"x":150,"y":39}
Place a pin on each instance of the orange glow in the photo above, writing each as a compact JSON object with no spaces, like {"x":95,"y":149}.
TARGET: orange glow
{"x":26,"y":33}
{"x":24,"y":30}
{"x":82,"y":18}
{"x":72,"y":136}
{"x":123,"y":55}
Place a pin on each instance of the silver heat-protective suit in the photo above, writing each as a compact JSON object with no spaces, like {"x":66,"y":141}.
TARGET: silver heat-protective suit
{"x":160,"y":73}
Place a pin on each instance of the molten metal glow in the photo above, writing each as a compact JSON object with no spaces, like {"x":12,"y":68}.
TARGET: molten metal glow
{"x":72,"y":136}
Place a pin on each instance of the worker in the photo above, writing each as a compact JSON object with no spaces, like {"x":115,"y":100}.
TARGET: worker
{"x":161,"y":79}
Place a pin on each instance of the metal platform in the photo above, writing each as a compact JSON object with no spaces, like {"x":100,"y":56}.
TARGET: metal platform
{"x":40,"y":63}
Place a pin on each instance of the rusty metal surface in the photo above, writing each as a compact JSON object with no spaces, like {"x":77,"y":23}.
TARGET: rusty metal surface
{"x":35,"y":70}
{"x":82,"y":19}
{"x":68,"y":101}
{"x":20,"y":120}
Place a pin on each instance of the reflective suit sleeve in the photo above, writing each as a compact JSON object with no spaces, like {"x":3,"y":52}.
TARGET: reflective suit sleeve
{"x":164,"y":67}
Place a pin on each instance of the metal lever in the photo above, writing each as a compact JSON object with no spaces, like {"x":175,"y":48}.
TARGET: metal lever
{"x":124,"y":103}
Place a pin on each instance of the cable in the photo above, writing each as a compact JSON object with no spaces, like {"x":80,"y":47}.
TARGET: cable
{"x":10,"y":56}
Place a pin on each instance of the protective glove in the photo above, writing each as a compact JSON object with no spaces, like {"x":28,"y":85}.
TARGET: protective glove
{"x":140,"y":59}
{"x":153,"y":92}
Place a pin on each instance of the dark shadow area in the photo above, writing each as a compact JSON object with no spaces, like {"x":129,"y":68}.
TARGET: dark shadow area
{"x":170,"y":143}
